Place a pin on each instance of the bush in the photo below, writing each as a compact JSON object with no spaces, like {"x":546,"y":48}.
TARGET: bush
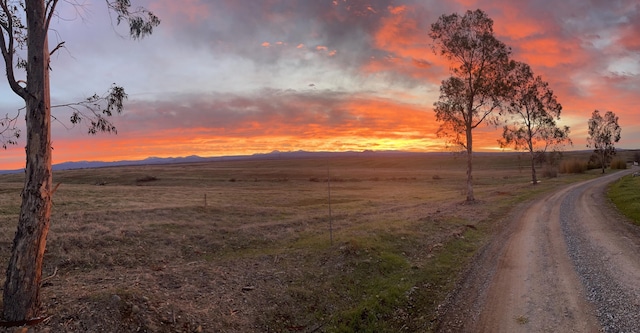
{"x":618,"y":163}
{"x":573,"y":166}
{"x":146,"y":179}
{"x":594,"y":164}
{"x":549,"y":171}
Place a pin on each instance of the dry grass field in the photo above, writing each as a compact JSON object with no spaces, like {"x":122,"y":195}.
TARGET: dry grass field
{"x":136,"y":249}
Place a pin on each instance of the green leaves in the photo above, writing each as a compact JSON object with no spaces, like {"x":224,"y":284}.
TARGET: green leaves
{"x":141,"y":21}
{"x":604,"y":132}
{"x":469,"y":42}
{"x":96,"y":109}
{"x":479,"y":63}
{"x":532,"y":111}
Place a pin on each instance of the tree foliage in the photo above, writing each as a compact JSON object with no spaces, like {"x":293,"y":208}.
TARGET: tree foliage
{"x":476,"y":87}
{"x":604,"y":132}
{"x":141,"y":21}
{"x":21,"y":300}
{"x":532,"y":111}
{"x":96,"y":109}
{"x":9,"y":132}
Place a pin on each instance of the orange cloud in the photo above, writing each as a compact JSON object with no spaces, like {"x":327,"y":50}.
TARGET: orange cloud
{"x":356,"y":122}
{"x":404,"y":36}
{"x":399,"y":33}
{"x":630,"y":38}
{"x":397,"y":10}
{"x":549,"y":52}
{"x":512,"y":20}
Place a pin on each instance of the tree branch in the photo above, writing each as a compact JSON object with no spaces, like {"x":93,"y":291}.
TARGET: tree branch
{"x":49,"y":10}
{"x":97,"y":108}
{"x":9,"y":133}
{"x":141,"y":21}
{"x":8,"y":51}
{"x":60,"y":45}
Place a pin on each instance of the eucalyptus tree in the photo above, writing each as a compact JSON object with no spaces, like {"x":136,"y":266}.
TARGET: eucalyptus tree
{"x":21,"y":299}
{"x":532,"y":111}
{"x":476,"y":87}
{"x":604,"y":132}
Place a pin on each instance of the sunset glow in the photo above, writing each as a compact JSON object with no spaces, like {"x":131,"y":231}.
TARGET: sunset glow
{"x":237,"y":77}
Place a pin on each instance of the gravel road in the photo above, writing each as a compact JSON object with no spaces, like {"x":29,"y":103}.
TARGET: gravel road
{"x":568,"y":262}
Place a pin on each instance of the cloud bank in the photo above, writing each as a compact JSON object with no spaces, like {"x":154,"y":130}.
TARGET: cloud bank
{"x":241,"y":76}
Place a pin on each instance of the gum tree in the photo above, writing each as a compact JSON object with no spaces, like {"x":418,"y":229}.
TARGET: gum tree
{"x":21,"y":300}
{"x":532,"y":110}
{"x":476,"y":86}
{"x":604,"y":132}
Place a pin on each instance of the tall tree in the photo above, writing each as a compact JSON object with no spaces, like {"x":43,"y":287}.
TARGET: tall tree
{"x":476,"y":87}
{"x":533,"y":111}
{"x":604,"y":132}
{"x":21,"y":289}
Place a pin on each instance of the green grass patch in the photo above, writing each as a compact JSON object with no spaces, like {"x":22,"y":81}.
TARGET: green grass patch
{"x":625,"y":194}
{"x":385,"y":292}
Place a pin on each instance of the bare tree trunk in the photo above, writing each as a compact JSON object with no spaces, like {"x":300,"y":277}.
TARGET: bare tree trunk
{"x":21,"y":299}
{"x":470,"y":197}
{"x":534,"y":178}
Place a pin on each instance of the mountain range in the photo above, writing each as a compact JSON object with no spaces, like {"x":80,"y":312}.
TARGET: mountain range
{"x":194,"y":158}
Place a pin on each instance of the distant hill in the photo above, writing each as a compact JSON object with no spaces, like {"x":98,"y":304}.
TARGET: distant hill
{"x":101,"y":164}
{"x":194,"y":159}
{"x":272,"y":155}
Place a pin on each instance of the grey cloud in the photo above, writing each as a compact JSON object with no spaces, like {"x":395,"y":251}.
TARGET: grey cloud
{"x":233,"y":113}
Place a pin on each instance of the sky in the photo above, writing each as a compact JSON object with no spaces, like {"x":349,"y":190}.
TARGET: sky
{"x":235,"y":77}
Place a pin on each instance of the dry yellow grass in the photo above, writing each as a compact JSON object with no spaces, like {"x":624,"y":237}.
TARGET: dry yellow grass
{"x":142,"y":252}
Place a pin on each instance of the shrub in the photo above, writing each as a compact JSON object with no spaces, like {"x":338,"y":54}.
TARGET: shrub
{"x":549,"y":171}
{"x":436,"y":177}
{"x":573,"y":166}
{"x":146,"y":179}
{"x":618,"y":163}
{"x":593,"y":164}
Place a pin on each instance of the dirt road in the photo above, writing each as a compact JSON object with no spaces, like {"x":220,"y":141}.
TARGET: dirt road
{"x":568,"y":262}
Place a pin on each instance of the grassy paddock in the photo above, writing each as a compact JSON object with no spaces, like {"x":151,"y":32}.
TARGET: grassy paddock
{"x":136,"y":248}
{"x":625,"y":194}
